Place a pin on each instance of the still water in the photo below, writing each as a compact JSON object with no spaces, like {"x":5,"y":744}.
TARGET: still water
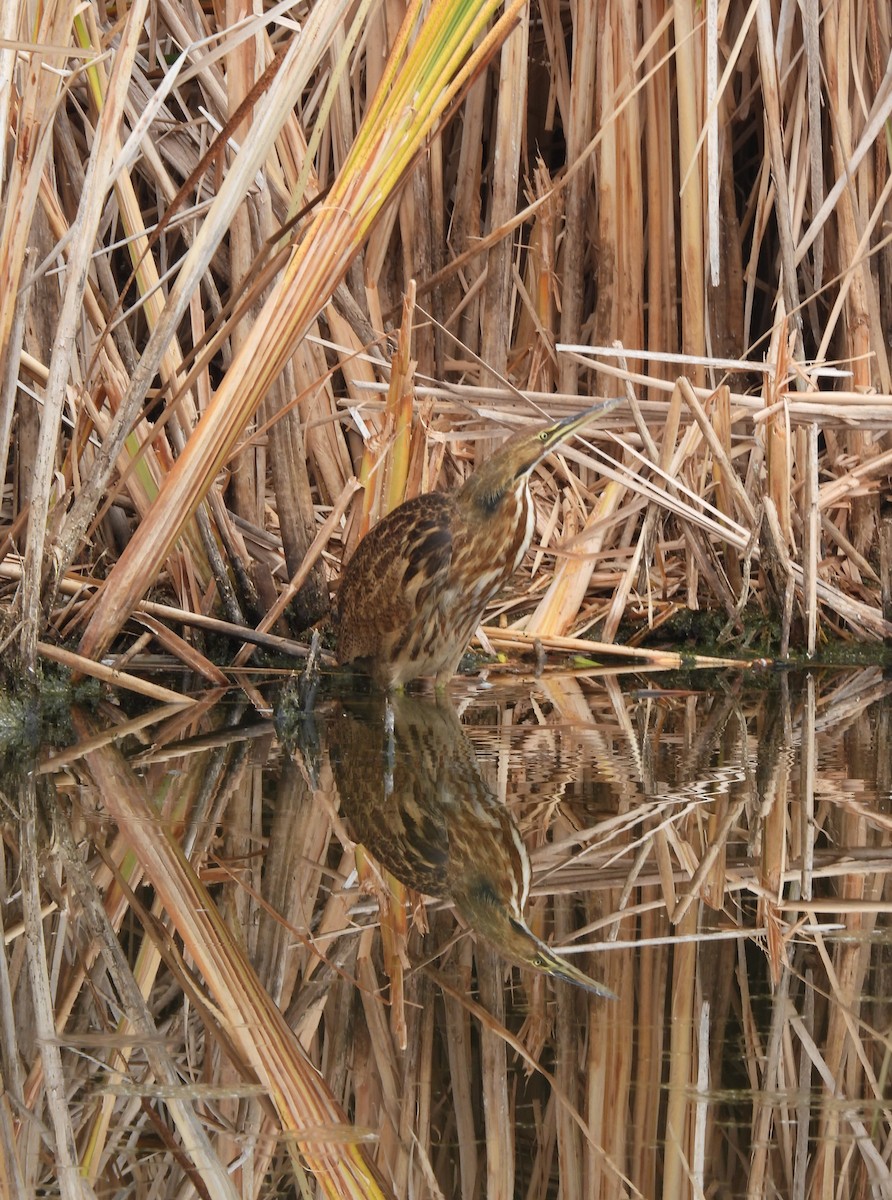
{"x":715,"y":852}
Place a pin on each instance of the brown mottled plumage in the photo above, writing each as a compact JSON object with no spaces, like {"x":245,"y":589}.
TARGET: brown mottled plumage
{"x":415,"y":590}
{"x":411,"y":788}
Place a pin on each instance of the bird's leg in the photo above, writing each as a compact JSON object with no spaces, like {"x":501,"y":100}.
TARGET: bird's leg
{"x":390,"y":751}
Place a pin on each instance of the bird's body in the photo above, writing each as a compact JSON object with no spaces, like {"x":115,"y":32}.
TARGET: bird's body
{"x":414,"y":592}
{"x":415,"y":562}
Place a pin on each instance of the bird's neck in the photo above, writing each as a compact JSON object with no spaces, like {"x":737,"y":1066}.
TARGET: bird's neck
{"x":507,"y":512}
{"x":488,"y":497}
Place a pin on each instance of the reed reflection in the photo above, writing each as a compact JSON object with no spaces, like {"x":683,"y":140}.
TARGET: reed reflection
{"x":411,"y":786}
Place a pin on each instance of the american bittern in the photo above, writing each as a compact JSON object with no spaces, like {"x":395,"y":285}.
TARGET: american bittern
{"x":412,"y":790}
{"x":415,"y":590}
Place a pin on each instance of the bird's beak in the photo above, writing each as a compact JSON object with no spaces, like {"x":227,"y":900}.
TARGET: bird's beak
{"x":570,"y":424}
{"x":557,"y":967}
{"x":513,"y":938}
{"x":560,"y":431}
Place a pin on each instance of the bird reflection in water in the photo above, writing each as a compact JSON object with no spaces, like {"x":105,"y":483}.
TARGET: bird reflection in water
{"x":411,"y":787}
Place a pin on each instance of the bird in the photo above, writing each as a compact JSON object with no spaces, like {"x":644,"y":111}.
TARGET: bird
{"x":411,"y":788}
{"x":416,"y":587}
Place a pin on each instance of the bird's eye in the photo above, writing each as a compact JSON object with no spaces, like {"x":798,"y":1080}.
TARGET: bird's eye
{"x":543,"y":436}
{"x":538,"y":961}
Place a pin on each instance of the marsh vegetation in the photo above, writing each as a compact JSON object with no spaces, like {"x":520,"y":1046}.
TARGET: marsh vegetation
{"x":263,"y":275}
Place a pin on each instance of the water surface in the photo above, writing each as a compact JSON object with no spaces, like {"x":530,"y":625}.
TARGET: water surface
{"x":715,"y":851}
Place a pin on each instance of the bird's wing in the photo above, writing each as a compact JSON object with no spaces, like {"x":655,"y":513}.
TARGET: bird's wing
{"x":387,"y":778}
{"x":397,"y":562}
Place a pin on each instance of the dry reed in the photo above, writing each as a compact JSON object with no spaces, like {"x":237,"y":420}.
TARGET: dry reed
{"x":706,"y":191}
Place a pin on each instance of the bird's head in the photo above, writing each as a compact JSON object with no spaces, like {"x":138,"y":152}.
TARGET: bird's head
{"x":502,"y":925}
{"x":513,"y":461}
